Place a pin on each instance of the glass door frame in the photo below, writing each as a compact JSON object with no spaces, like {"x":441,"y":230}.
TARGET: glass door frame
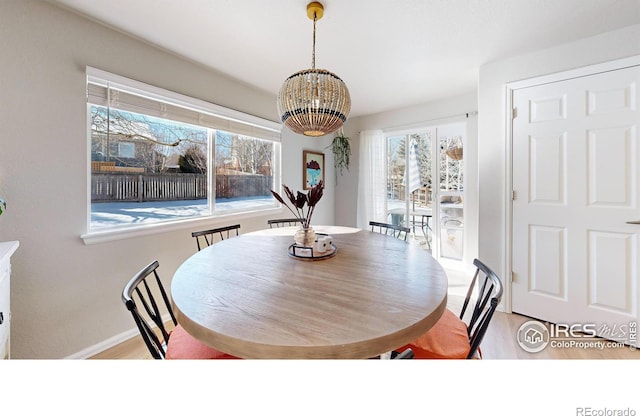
{"x":434,"y":189}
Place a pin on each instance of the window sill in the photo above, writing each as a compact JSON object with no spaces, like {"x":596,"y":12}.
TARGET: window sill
{"x":113,"y":234}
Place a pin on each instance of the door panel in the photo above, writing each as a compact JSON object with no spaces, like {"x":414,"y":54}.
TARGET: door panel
{"x":611,"y":158}
{"x":575,"y":176}
{"x":547,"y":169}
{"x":611,"y":276}
{"x":548,"y":275}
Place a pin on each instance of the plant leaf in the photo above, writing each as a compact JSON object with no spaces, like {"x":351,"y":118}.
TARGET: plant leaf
{"x":315,"y":194}
{"x":290,"y":194}
{"x":277,"y":197}
{"x":300,"y":200}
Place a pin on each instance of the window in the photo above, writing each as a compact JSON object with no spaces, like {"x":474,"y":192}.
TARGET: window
{"x":160,"y":157}
{"x":126,"y":150}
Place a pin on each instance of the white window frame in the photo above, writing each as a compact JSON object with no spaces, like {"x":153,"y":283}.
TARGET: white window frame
{"x":215,"y":116}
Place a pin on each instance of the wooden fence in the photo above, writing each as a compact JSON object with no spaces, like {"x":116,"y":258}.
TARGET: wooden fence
{"x":120,"y":187}
{"x":237,"y":186}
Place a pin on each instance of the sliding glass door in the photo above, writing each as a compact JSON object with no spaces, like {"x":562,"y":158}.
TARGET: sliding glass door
{"x":425,"y":187}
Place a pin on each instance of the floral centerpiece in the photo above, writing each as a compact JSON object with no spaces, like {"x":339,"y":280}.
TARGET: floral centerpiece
{"x":305,"y":236}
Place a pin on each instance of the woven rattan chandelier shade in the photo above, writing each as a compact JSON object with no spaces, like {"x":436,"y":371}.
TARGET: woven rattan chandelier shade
{"x":314,"y":102}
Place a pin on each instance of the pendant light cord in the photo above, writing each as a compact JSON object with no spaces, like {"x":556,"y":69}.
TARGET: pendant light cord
{"x":313,"y":56}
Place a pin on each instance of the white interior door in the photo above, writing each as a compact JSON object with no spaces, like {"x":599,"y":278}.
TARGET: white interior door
{"x":576,"y":170}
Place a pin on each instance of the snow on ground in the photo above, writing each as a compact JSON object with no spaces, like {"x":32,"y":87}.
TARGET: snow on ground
{"x":114,"y":214}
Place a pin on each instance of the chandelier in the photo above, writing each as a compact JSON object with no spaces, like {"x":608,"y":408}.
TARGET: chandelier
{"x":314,"y":102}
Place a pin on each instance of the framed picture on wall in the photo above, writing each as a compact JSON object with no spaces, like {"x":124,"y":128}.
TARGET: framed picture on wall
{"x":312,"y":168}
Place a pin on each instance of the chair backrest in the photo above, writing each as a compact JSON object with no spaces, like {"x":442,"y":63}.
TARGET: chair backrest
{"x":486,"y":289}
{"x":398,"y":231}
{"x":205,"y":238}
{"x":145,"y":297}
{"x":407,"y":354}
{"x":284,"y":222}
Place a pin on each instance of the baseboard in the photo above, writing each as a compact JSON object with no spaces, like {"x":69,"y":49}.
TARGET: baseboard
{"x":110,"y":342}
{"x":104,"y":345}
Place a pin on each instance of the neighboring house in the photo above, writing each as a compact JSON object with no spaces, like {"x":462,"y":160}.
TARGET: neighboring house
{"x":125,"y":152}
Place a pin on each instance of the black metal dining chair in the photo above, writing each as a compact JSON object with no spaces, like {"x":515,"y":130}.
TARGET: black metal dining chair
{"x":398,"y":231}
{"x":284,"y":222}
{"x":205,"y":238}
{"x":149,"y":304}
{"x":451,"y":337}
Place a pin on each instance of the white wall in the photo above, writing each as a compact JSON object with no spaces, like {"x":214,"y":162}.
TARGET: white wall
{"x":492,"y":121}
{"x":65,"y":295}
{"x":429,"y":114}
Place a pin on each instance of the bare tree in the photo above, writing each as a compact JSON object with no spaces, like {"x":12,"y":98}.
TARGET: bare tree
{"x":449,"y":170}
{"x":149,"y":141}
{"x":243,"y":153}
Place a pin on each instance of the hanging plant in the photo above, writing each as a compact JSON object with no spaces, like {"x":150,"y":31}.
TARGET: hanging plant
{"x":454,"y":150}
{"x":455,"y":153}
{"x":341,"y":148}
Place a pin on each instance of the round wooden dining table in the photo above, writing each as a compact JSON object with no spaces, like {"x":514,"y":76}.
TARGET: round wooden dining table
{"x":248,"y":297}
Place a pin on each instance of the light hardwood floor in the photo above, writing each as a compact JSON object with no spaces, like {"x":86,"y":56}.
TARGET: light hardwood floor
{"x":499,"y":342}
{"x":133,"y":349}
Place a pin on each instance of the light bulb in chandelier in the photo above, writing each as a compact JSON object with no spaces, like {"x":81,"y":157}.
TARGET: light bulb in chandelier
{"x":314,"y":102}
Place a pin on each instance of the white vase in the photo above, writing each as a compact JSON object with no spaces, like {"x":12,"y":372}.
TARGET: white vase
{"x":305,"y":237}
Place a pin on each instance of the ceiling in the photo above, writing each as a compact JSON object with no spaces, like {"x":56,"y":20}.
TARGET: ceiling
{"x":391,"y":54}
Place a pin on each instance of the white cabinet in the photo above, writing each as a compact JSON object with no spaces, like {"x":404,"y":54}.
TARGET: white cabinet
{"x":6,"y":250}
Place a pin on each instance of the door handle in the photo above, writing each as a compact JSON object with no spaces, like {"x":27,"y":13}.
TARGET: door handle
{"x":633,"y":222}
